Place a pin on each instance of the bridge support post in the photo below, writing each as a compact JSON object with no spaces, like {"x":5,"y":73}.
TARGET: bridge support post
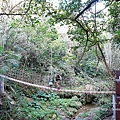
{"x":114,"y":106}
{"x":1,"y":89}
{"x":1,"y":86}
{"x":117,"y":96}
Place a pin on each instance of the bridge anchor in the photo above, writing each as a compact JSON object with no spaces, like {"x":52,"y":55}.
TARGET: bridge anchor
{"x":117,"y":96}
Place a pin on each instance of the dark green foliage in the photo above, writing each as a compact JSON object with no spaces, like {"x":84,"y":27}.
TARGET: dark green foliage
{"x":4,"y":69}
{"x":8,"y":60}
{"x":45,"y":96}
{"x":29,"y":60}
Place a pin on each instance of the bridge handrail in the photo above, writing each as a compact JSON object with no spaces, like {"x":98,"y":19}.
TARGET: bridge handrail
{"x":44,"y":88}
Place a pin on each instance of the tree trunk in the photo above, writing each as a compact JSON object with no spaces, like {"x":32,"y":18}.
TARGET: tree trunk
{"x":104,"y":60}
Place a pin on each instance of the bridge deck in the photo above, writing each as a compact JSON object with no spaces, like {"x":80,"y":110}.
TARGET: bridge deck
{"x":44,"y":88}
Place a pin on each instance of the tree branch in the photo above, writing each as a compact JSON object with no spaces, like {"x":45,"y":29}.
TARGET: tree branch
{"x":16,"y":6}
{"x":86,"y":40}
{"x":109,"y":71}
{"x":83,"y":53}
{"x":105,"y":7}
{"x":28,"y":7}
{"x":89,"y":5}
{"x":18,"y":13}
{"x":81,"y":26}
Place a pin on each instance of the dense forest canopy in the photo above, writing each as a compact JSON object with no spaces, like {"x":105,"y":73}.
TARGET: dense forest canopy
{"x":30,"y":25}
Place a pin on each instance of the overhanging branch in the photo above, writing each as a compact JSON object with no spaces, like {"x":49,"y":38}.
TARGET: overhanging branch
{"x":88,"y":6}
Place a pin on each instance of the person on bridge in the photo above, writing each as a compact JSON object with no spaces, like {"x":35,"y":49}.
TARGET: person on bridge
{"x":50,"y":82}
{"x":58,"y":79}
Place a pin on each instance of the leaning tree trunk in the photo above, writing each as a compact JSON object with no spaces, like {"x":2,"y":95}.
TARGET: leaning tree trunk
{"x":104,"y":60}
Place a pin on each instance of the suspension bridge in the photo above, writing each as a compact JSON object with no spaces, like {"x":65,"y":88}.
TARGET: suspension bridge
{"x":34,"y":80}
